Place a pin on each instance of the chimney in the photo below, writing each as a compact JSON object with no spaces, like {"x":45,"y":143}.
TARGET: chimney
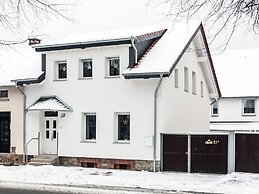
{"x":33,"y":41}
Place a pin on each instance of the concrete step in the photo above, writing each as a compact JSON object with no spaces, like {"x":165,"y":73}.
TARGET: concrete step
{"x":39,"y":164}
{"x":46,"y":156}
{"x":44,"y":160}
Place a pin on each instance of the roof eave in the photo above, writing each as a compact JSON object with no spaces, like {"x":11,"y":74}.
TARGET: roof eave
{"x":145,"y":75}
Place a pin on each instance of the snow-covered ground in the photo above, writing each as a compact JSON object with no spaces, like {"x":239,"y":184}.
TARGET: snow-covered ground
{"x":34,"y":177}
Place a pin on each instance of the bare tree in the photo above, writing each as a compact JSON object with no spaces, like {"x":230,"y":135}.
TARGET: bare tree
{"x":219,"y":16}
{"x":20,"y":17}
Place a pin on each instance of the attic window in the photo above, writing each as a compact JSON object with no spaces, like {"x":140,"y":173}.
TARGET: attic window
{"x":113,"y":66}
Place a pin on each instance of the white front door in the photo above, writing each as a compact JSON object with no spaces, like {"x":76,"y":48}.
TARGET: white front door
{"x":50,"y":135}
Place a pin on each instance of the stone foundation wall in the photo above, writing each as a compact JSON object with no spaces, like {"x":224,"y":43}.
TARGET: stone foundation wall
{"x":10,"y":159}
{"x":138,"y":165}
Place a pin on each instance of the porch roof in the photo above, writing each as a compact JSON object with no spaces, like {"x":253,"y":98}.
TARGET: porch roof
{"x":52,"y":103}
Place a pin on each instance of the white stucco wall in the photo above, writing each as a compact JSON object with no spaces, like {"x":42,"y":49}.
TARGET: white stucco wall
{"x":178,"y":111}
{"x":231,"y":109}
{"x":14,"y":104}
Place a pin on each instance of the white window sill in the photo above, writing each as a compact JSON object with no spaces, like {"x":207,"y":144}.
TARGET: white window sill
{"x":85,"y":78}
{"x":4,"y":99}
{"x":117,"y":76}
{"x":58,"y":80}
{"x":121,"y":142}
{"x":215,"y":115}
{"x":248,"y":114}
{"x":88,"y":141}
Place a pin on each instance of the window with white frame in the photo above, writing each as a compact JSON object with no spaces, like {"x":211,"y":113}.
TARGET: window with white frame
{"x":62,"y":70}
{"x":215,"y":108}
{"x":249,"y":106}
{"x":193,"y":82}
{"x":87,"y":68}
{"x":186,"y":79}
{"x":113,"y":69}
{"x":3,"y":94}
{"x":123,"y":126}
{"x":176,"y":79}
{"x":89,"y":126}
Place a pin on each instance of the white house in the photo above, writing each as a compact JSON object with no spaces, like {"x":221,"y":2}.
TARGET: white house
{"x":106,"y":99}
{"x":237,"y":110}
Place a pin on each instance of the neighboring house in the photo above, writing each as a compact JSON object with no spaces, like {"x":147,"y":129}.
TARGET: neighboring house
{"x":109,"y":102}
{"x":13,"y":64}
{"x":237,"y":111}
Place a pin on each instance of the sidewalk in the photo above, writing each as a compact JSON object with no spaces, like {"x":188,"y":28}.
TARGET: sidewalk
{"x":76,"y":178}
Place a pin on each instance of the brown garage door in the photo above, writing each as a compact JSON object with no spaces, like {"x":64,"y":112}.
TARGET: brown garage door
{"x":175,"y":152}
{"x":209,"y":153}
{"x":247,"y":152}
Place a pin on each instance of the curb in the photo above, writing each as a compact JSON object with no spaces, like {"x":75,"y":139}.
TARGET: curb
{"x":55,"y":187}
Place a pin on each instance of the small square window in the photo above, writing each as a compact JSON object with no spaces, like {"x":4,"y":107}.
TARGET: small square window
{"x":3,"y":93}
{"x":123,"y":127}
{"x":215,"y":108}
{"x":87,"y":68}
{"x":62,"y":70}
{"x":90,"y":126}
{"x":248,"y":106}
{"x":113,"y":67}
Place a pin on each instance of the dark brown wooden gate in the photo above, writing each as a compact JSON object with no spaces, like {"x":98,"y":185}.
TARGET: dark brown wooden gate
{"x":209,"y":153}
{"x":5,"y":132}
{"x":247,"y":153}
{"x":175,"y":155}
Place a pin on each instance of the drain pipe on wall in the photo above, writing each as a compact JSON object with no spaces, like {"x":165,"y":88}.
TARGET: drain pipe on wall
{"x":24,"y":122}
{"x":155,"y":121}
{"x":136,"y":50}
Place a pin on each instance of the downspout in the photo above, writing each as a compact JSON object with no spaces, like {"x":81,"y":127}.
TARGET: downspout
{"x":24,"y":122}
{"x":136,"y":50}
{"x":155,"y":122}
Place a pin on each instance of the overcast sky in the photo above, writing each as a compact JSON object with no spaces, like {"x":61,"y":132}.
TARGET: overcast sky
{"x":94,"y":15}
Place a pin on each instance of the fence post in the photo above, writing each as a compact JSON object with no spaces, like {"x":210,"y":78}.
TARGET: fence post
{"x":189,"y":153}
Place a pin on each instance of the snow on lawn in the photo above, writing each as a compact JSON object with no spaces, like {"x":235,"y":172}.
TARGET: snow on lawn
{"x":232,"y":183}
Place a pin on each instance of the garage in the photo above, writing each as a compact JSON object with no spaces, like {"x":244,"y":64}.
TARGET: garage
{"x":247,"y":153}
{"x":209,"y":154}
{"x":195,"y":153}
{"x":175,"y":153}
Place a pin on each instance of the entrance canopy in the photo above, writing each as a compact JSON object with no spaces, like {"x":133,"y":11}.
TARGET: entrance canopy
{"x":51,"y":103}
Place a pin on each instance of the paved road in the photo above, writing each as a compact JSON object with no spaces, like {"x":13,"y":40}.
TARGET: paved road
{"x":21,"y":191}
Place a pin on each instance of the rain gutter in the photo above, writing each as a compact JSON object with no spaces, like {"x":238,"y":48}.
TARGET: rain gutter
{"x":155,"y":122}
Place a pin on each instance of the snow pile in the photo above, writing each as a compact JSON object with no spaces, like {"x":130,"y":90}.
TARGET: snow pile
{"x":237,"y":72}
{"x":235,"y":183}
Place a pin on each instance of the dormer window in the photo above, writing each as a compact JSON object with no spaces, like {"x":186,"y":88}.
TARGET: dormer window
{"x":113,"y":67}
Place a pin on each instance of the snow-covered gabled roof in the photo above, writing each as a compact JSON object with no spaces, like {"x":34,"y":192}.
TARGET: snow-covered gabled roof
{"x":51,"y":103}
{"x":163,"y":57}
{"x":101,"y":38}
{"x":18,"y":62}
{"x":237,"y":72}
